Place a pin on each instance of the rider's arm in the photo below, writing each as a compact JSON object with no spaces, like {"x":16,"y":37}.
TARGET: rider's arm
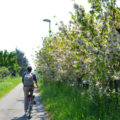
{"x":23,"y":77}
{"x":35,"y":79}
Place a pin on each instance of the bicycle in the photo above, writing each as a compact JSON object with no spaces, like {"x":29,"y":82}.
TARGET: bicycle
{"x":30,"y":102}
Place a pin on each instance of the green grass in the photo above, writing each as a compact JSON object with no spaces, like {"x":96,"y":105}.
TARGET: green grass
{"x":8,"y":84}
{"x":62,"y":103}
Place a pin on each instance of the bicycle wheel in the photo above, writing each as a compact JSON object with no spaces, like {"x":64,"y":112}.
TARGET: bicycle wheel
{"x":29,"y":109}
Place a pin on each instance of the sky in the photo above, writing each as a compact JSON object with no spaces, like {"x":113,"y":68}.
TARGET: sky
{"x":22,"y":26}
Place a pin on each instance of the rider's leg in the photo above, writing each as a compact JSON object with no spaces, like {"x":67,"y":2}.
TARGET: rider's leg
{"x":26,"y":92}
{"x":31,"y":90}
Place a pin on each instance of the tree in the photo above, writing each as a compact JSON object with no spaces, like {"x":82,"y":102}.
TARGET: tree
{"x":87,"y":49}
{"x":8,"y":60}
{"x":22,"y":60}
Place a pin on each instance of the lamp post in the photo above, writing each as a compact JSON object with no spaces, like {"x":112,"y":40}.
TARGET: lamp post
{"x":49,"y":21}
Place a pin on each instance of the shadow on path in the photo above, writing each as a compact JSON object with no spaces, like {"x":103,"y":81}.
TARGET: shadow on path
{"x":20,"y":101}
{"x":20,"y":118}
{"x":38,"y":112}
{"x":26,"y":118}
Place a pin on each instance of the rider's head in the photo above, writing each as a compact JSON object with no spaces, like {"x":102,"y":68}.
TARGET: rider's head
{"x":29,"y":68}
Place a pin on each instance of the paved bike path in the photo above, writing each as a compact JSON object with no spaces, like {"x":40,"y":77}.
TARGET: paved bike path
{"x":12,"y":106}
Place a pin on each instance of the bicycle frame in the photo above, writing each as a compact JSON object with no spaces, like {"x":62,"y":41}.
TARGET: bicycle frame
{"x":30,"y":102}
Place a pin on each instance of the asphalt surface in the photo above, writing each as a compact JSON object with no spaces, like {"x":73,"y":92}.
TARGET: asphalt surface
{"x":12,"y":106}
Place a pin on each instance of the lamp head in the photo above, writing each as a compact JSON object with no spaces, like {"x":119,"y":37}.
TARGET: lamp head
{"x":46,"y":20}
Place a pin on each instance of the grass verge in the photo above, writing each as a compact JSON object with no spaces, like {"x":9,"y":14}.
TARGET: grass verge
{"x":7,"y":84}
{"x":62,"y":103}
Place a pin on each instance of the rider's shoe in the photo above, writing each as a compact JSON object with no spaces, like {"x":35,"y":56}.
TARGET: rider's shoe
{"x":25,"y":114}
{"x":34,"y":102}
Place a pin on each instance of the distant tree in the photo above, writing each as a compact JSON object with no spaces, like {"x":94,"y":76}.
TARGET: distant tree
{"x":9,"y":60}
{"x":22,"y":60}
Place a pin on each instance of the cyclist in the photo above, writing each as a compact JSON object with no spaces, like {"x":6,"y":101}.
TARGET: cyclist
{"x":27,"y":79}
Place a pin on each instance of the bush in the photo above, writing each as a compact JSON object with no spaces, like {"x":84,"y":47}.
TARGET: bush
{"x":4,"y":72}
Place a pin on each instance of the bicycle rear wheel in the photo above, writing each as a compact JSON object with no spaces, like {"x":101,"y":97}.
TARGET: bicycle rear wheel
{"x":29,"y":112}
{"x":29,"y":109}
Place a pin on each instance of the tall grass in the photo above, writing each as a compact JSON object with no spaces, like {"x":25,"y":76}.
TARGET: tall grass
{"x":7,"y":84}
{"x":62,"y":103}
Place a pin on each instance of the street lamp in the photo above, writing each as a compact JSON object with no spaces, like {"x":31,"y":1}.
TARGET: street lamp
{"x":47,"y":20}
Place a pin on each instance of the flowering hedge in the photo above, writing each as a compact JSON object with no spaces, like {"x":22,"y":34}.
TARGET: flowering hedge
{"x":88,"y":49}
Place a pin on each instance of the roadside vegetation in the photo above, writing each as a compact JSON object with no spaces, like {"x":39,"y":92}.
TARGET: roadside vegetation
{"x":12,"y":66}
{"x":7,"y":84}
{"x":84,"y":53}
{"x":62,"y":103}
